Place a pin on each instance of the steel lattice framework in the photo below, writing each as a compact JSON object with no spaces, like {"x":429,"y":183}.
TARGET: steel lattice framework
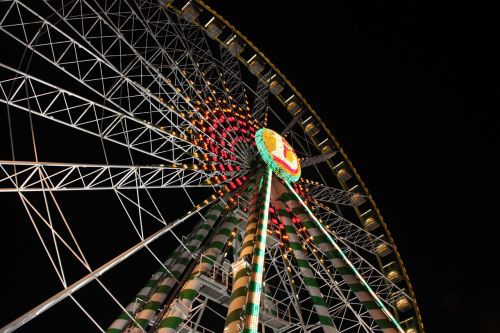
{"x":129,"y":132}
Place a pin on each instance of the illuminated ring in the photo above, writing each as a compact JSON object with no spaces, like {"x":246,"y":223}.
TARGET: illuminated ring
{"x":278,"y":154}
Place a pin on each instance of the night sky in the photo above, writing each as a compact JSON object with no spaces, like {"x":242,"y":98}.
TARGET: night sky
{"x":396,"y":82}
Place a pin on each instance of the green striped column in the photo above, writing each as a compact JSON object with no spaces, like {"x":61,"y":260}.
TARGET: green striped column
{"x":382,"y":316}
{"x":179,"y":308}
{"x":252,"y":308}
{"x":305,"y":270}
{"x":137,"y":303}
{"x":150,"y":298}
{"x":125,"y":317}
{"x":174,"y":316}
{"x":156,"y":300}
{"x":240,"y":270}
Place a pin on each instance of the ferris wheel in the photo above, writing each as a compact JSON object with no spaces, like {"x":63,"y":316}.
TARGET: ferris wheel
{"x":167,"y":177}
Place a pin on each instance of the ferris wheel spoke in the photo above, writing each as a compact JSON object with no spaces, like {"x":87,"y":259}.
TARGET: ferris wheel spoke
{"x":42,"y":216}
{"x":291,"y":124}
{"x":313,"y":160}
{"x":138,"y":54}
{"x":213,"y":78}
{"x":74,"y":59}
{"x":96,"y":273}
{"x":206,"y":74}
{"x":132,"y":68}
{"x":302,"y":139}
{"x":350,"y":232}
{"x":133,"y":207}
{"x":260,"y":104}
{"x":234,"y":88}
{"x":86,"y":313}
{"x":147,"y":56}
{"x":302,"y":143}
{"x":231,"y":73}
{"x":332,"y":195}
{"x":19,"y":176}
{"x":56,"y":104}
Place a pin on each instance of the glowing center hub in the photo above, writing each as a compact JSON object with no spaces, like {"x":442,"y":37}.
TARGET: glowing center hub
{"x":278,"y":154}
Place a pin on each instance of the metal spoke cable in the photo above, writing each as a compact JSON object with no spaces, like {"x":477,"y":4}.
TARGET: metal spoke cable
{"x":84,"y":54}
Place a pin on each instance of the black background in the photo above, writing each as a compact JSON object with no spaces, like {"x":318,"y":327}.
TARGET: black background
{"x":402,"y":86}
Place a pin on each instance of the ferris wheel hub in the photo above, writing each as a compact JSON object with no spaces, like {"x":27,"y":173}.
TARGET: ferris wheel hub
{"x":278,"y":154}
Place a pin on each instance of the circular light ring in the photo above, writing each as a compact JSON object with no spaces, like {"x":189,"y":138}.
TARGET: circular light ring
{"x":278,"y":154}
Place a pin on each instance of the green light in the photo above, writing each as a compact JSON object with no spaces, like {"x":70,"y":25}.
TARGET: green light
{"x":256,"y":277}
